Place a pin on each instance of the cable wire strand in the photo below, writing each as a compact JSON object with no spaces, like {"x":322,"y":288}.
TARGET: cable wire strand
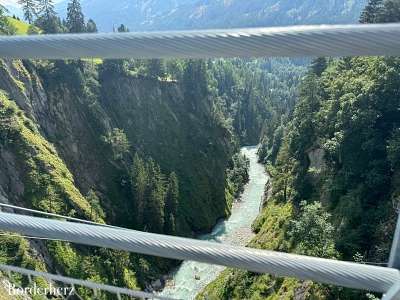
{"x":292,"y":41}
{"x":347,"y":274}
{"x":71,"y":219}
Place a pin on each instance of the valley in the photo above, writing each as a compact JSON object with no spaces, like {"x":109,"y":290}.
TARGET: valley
{"x":191,"y":277}
{"x":156,"y":146}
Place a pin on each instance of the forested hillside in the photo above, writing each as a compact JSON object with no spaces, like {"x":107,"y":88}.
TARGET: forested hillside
{"x":147,"y":145}
{"x":115,"y":141}
{"x":65,"y":149}
{"x":153,"y":145}
{"x":255,"y":94}
{"x":335,"y":169}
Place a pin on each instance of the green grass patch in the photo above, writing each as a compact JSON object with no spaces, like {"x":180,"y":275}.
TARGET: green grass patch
{"x":21,"y":26}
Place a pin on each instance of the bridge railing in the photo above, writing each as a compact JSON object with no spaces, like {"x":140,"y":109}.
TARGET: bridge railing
{"x":296,"y":41}
{"x":340,"y":273}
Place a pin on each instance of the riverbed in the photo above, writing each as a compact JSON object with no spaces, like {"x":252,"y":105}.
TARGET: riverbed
{"x":191,"y":277}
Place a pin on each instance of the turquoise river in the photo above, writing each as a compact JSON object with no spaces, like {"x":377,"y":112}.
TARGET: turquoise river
{"x":191,"y":277}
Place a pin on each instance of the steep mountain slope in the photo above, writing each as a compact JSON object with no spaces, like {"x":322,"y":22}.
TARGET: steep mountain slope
{"x":67,"y":145}
{"x":190,"y":14}
{"x":335,"y":191}
{"x":335,"y":181}
{"x":235,"y":13}
{"x":335,"y":169}
{"x":157,"y":117}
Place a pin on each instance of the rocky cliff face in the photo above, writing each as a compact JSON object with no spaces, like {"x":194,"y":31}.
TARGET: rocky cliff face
{"x":179,"y":133}
{"x":53,"y":119}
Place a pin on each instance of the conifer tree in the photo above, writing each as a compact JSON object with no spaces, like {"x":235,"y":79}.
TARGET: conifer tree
{"x":122,"y":28}
{"x":75,"y":18}
{"x":390,"y":12}
{"x":195,"y":78}
{"x":139,"y":181}
{"x":318,"y":65}
{"x":29,"y":8}
{"x":154,"y":213}
{"x":46,"y":8}
{"x":47,"y":18}
{"x":171,"y":203}
{"x":371,"y":11}
{"x":195,"y":83}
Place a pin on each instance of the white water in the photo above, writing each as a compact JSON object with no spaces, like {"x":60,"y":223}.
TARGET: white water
{"x":191,"y":277}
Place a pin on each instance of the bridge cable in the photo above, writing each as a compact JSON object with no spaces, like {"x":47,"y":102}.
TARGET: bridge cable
{"x":347,"y":274}
{"x":292,"y":41}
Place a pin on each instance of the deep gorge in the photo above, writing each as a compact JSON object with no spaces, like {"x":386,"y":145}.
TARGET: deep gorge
{"x":141,"y":151}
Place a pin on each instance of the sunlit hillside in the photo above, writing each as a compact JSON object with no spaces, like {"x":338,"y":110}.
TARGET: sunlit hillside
{"x":21,"y":27}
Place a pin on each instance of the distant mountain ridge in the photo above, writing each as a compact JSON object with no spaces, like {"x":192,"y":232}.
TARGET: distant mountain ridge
{"x":136,"y":14}
{"x":140,"y":15}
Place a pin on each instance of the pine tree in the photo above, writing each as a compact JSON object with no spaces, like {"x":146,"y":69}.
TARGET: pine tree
{"x":75,"y":18}
{"x":154,"y":213}
{"x":139,"y":182}
{"x":46,"y":8}
{"x":91,"y":26}
{"x":29,"y":8}
{"x":318,"y":65}
{"x":47,"y":18}
{"x":371,"y":11}
{"x":122,"y":28}
{"x":195,"y":83}
{"x":171,"y":203}
{"x":390,"y":12}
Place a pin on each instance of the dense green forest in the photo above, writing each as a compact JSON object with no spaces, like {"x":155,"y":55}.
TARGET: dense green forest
{"x":143,"y":144}
{"x":153,"y":145}
{"x":335,"y":169}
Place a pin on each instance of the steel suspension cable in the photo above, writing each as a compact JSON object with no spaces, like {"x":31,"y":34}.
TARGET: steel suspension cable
{"x":66,"y":218}
{"x":347,"y":274}
{"x":293,"y":41}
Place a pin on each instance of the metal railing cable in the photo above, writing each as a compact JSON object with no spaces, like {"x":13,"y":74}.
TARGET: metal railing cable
{"x":84,"y":283}
{"x":292,"y":41}
{"x":295,"y":41}
{"x":347,"y":274}
{"x":6,"y":234}
{"x":70,"y":219}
